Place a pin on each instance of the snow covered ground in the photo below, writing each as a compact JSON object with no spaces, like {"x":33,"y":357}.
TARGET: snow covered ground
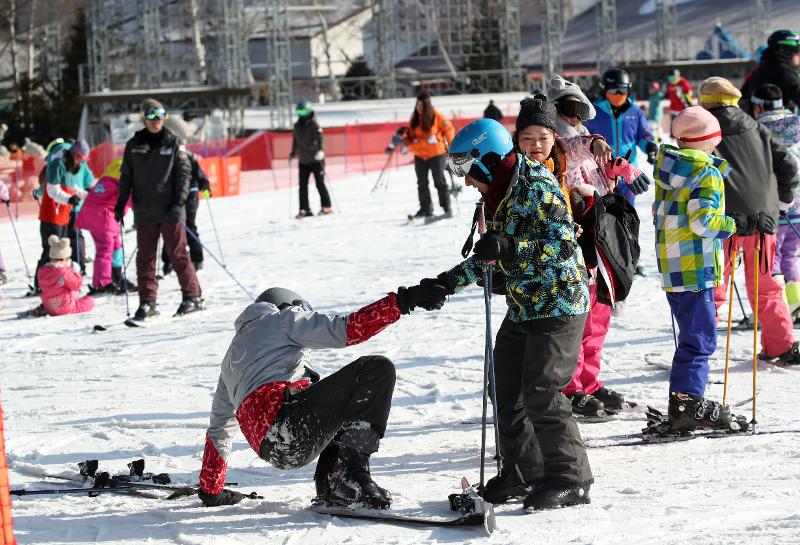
{"x":70,"y":394}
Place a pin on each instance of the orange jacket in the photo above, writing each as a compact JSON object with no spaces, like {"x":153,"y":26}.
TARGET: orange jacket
{"x":434,"y":142}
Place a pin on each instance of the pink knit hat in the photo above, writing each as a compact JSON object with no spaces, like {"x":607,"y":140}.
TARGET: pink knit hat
{"x":696,"y":128}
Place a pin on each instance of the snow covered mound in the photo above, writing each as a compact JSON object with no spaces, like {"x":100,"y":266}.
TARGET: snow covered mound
{"x":70,"y":394}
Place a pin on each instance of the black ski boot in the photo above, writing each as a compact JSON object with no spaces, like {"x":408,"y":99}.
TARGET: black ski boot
{"x":352,"y":483}
{"x":121,"y":283}
{"x":304,"y":214}
{"x":109,"y":289}
{"x":189,"y":305}
{"x":688,"y":412}
{"x":587,"y":405}
{"x":198,"y":265}
{"x":506,"y":486}
{"x":146,"y":311}
{"x":610,"y":399}
{"x":421,"y":214}
{"x":788,"y":359}
{"x":552,"y":495}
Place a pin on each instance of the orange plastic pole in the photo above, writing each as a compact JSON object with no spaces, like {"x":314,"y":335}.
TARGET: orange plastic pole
{"x":6,"y":527}
{"x":730,"y":318}
{"x":755,"y":330}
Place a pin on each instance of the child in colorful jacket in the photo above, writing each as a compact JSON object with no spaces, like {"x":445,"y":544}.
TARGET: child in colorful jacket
{"x":534,"y":242}
{"x":97,"y":216}
{"x":784,"y":126}
{"x":59,"y":283}
{"x":690,"y":225}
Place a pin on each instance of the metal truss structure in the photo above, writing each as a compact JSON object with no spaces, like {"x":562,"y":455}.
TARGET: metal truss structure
{"x":666,"y":20}
{"x":606,"y":34}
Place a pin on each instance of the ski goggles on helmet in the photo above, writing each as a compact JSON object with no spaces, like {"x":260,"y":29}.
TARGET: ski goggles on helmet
{"x":767,"y":104}
{"x":459,"y":164}
{"x":151,"y":114}
{"x":302,"y":112}
{"x":573,"y":108}
{"x":296,"y":303}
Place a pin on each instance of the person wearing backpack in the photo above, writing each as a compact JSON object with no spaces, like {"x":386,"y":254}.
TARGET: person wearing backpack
{"x":690,"y":225}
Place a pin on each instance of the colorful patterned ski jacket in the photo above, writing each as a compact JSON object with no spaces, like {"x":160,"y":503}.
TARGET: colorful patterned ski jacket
{"x":548,"y":277}
{"x":785,"y":127}
{"x":689,"y":216}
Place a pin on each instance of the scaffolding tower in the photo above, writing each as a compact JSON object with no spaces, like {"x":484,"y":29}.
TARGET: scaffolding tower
{"x":279,"y":61}
{"x":552,"y":27}
{"x":606,"y":34}
{"x":759,"y":23}
{"x":167,"y":48}
{"x":666,"y":18}
{"x":473,"y":43}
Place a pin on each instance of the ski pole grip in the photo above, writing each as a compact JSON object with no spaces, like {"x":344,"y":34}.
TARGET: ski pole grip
{"x":480,"y":211}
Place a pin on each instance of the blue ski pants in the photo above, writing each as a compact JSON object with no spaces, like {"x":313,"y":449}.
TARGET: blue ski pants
{"x":697,"y":339}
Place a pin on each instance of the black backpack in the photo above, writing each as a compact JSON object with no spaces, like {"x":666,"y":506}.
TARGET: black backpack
{"x":610,"y":242}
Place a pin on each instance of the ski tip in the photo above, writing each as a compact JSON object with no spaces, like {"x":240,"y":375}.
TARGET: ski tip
{"x":98,"y":327}
{"x":132,"y":323}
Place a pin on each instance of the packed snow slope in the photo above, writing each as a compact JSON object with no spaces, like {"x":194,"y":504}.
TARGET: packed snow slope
{"x":70,"y":394}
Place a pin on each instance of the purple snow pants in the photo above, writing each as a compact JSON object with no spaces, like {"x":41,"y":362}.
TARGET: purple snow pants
{"x":786,"y":254}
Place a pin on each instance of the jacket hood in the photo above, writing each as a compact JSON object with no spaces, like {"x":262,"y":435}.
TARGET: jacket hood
{"x":254,"y":312}
{"x":774,"y":115}
{"x":677,"y":168}
{"x":733,"y":120}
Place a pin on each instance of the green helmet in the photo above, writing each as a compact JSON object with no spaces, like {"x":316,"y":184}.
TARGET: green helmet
{"x":784,"y":38}
{"x":303,"y":108}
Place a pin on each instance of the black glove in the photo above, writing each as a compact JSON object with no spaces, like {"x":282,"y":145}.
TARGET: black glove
{"x":494,"y":246}
{"x":744,"y":226}
{"x":6,"y":201}
{"x":118,"y":215}
{"x":765,"y":223}
{"x":74,"y":200}
{"x":652,"y":152}
{"x":429,"y":297}
{"x":639,"y":184}
{"x":402,"y":132}
{"x":226,"y":497}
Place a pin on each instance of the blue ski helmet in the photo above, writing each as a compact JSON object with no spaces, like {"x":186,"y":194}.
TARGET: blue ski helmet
{"x":477,"y":148}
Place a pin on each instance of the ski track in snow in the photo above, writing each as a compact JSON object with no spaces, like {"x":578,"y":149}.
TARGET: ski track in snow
{"x":70,"y":394}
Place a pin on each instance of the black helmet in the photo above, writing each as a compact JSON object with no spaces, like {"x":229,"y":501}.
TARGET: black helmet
{"x":282,"y":298}
{"x":616,"y":78}
{"x":784,"y":38}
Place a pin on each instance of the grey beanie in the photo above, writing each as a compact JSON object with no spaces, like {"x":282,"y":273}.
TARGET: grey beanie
{"x":559,"y":88}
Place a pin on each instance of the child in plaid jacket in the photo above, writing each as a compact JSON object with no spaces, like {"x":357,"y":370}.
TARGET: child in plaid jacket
{"x":690,"y":225}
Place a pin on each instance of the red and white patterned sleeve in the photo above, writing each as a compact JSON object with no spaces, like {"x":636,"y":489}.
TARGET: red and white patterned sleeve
{"x":372,"y":319}
{"x":212,"y":476}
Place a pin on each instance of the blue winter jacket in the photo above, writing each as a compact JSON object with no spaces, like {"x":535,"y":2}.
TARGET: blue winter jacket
{"x":624,"y":133}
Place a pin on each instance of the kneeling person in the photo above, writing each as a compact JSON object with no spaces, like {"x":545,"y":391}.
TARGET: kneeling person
{"x":287,"y":416}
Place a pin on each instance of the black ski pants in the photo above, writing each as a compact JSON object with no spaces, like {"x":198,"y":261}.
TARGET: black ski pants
{"x":534,"y":361}
{"x":352,"y":405}
{"x":77,"y":242}
{"x":45,"y":230}
{"x":317,"y":168}
{"x":436,"y":166}
{"x":195,"y":249}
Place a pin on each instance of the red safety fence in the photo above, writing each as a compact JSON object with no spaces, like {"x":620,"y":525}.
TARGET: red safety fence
{"x":6,"y":526}
{"x":259,"y":162}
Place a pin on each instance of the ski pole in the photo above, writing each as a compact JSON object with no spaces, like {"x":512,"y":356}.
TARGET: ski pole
{"x":488,"y":368}
{"x":746,"y":318}
{"x":216,"y":234}
{"x":730,"y":318}
{"x":757,"y":270}
{"x":125,"y":268}
{"x":194,"y":236}
{"x":291,"y":215}
{"x":19,"y":245}
{"x":383,"y":171}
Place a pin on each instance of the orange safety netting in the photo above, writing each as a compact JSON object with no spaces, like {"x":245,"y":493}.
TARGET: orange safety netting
{"x":6,"y":528}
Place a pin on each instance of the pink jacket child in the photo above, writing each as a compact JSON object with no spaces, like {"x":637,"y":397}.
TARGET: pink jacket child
{"x":60,"y":284}
{"x":97,"y":216}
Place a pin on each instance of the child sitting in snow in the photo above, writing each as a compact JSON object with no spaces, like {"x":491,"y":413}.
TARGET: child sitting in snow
{"x":59,"y":283}
{"x":690,"y":225}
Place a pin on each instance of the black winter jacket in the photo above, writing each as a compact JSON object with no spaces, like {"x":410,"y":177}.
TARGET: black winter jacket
{"x":761,"y":169}
{"x":158,"y":177}
{"x":775,"y":68}
{"x":306,"y":139}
